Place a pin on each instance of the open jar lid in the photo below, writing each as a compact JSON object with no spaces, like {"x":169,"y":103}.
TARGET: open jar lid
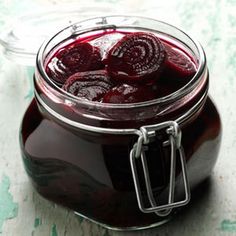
{"x":22,"y":37}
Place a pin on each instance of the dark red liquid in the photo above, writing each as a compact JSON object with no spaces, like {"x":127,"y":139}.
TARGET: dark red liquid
{"x":91,"y":174}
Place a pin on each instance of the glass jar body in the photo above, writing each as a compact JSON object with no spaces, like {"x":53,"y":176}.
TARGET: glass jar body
{"x":90,"y":172}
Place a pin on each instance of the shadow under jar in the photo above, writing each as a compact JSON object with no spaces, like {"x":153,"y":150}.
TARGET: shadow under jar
{"x":126,"y":166}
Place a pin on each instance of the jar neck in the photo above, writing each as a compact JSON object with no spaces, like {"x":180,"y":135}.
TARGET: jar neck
{"x":57,"y":102}
{"x":181,"y":110}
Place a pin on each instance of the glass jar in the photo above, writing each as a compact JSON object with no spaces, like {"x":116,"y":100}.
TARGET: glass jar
{"x":126,"y":166}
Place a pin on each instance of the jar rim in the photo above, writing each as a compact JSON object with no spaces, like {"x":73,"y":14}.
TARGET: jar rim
{"x":166,"y":99}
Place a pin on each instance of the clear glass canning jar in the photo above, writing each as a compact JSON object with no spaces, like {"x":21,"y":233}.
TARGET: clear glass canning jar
{"x":127,"y":166}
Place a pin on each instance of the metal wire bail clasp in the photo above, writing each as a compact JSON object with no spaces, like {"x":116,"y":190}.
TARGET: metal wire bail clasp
{"x":174,"y":141}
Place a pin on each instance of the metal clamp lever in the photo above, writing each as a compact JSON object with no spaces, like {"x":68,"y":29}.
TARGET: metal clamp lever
{"x":174,"y":133}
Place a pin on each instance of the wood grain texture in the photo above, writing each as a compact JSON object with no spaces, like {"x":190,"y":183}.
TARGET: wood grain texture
{"x":23,"y":212}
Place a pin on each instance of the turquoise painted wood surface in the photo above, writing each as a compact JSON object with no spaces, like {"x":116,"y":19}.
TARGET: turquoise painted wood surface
{"x":23,"y":212}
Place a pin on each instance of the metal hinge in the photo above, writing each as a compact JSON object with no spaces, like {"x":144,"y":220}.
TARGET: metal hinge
{"x":138,"y":151}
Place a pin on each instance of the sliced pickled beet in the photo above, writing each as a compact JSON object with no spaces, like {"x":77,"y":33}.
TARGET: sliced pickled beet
{"x":178,"y":65}
{"x":136,"y":57}
{"x":92,"y":85}
{"x":76,"y":58}
{"x":126,"y":93}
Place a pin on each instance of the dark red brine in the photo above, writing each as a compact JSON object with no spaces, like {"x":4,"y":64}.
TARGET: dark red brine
{"x":100,"y":93}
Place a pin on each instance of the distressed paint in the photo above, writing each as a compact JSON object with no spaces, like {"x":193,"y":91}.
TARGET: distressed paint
{"x":79,"y":218}
{"x":228,"y":226}
{"x":37,"y":222}
{"x":29,"y":74}
{"x":8,"y":208}
{"x":54,"y":230}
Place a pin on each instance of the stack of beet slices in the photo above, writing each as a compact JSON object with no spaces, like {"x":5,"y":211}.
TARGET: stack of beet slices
{"x":136,"y":68}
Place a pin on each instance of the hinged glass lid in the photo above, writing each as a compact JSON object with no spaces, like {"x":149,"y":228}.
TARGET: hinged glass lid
{"x":22,"y":37}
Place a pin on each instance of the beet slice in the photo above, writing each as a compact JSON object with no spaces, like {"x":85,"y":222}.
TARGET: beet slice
{"x":126,"y":93}
{"x":90,"y":85}
{"x":76,"y":58}
{"x":136,"y":57}
{"x":178,"y":66}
